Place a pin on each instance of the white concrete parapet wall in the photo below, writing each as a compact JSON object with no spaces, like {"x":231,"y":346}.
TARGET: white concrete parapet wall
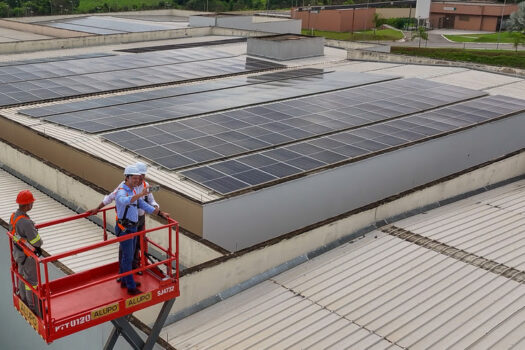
{"x":365,"y":54}
{"x":258,"y":23}
{"x":96,"y":40}
{"x":286,"y":206}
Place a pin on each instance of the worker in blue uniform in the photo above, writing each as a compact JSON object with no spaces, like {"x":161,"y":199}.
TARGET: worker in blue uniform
{"x":128,"y":201}
{"x":143,"y":169}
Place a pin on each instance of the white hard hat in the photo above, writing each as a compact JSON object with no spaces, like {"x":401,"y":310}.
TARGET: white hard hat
{"x":142,"y":168}
{"x":131,"y":170}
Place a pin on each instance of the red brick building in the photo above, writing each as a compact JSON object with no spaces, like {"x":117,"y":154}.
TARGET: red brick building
{"x":337,"y":20}
{"x":469,"y":16}
{"x":452,"y":15}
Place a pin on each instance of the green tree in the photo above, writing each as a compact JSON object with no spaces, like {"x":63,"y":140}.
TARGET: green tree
{"x":516,"y":22}
{"x":4,"y":9}
{"x":376,"y":21}
{"x":517,"y":39}
{"x":420,"y":33}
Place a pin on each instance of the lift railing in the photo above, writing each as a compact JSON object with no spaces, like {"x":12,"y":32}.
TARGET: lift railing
{"x":44,"y":291}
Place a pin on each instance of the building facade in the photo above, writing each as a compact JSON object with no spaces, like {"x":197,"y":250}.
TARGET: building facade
{"x":336,"y":20}
{"x":469,"y":16}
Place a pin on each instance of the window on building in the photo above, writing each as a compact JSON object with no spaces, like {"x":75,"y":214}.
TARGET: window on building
{"x":464,"y":17}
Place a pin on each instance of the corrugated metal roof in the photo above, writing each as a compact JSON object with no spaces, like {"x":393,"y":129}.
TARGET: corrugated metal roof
{"x":386,"y":292}
{"x":489,"y":225}
{"x":59,"y":238}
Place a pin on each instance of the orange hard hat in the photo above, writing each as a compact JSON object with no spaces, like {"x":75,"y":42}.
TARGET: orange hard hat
{"x":25,"y":197}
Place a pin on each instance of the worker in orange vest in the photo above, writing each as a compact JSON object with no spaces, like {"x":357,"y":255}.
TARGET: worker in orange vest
{"x":24,"y":231}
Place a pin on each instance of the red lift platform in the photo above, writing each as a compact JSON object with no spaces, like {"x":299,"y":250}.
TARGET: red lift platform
{"x":82,"y":300}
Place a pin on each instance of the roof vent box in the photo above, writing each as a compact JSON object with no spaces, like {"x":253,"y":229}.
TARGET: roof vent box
{"x":286,"y":46}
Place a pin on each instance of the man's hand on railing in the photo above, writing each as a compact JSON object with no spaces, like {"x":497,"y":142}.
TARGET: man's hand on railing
{"x":95,"y":210}
{"x":92,"y":211}
{"x":164,"y":215}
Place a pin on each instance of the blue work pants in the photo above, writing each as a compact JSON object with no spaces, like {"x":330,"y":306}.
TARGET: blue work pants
{"x":128,"y":250}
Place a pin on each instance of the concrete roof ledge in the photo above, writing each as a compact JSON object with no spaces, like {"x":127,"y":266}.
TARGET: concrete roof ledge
{"x":376,"y":56}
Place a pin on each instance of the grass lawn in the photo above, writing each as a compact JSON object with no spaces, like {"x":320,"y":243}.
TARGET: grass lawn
{"x":382,"y":34}
{"x":482,"y":38}
{"x":87,"y":6}
{"x":505,"y":58}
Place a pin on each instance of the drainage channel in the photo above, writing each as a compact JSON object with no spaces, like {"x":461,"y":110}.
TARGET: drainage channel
{"x":456,"y":253}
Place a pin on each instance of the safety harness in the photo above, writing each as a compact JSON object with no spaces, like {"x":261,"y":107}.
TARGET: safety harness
{"x":124,"y":223}
{"x":19,"y":241}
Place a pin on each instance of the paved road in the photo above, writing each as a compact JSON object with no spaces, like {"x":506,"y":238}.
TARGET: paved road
{"x":435,"y":39}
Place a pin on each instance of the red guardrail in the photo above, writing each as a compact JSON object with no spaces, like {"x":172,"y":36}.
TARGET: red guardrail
{"x":44,"y":292}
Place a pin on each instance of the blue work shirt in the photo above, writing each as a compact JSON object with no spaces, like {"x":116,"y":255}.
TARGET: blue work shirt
{"x":123,"y":199}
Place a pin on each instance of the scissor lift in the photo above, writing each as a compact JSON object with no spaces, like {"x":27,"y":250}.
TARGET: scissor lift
{"x":82,"y":300}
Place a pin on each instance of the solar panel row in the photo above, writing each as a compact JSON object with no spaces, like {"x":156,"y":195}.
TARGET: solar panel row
{"x":53,"y":88}
{"x":183,"y":45}
{"x":165,"y":92}
{"x":244,"y":172}
{"x":54,"y":69}
{"x":192,"y":141}
{"x":55,"y":59}
{"x":133,"y":114}
{"x":111,"y":25}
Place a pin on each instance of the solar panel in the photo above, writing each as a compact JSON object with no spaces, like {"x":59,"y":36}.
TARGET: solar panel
{"x":29,"y":87}
{"x":255,"y":128}
{"x":184,"y":45}
{"x":164,"y":92}
{"x":83,"y":28}
{"x":110,"y":25}
{"x":145,"y":112}
{"x":256,"y":169}
{"x":45,"y":70}
{"x":55,"y":59}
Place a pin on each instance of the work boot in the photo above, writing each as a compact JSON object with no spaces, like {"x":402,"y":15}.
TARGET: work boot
{"x":123,"y":284}
{"x":134,"y":291}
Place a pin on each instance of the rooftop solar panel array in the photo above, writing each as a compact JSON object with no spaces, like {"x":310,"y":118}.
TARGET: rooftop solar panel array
{"x":193,"y":141}
{"x":244,"y":172}
{"x":164,"y":92}
{"x":184,"y":45}
{"x":52,"y":69}
{"x":41,"y":89}
{"x":55,"y":59}
{"x":133,"y":114}
{"x":110,"y":25}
